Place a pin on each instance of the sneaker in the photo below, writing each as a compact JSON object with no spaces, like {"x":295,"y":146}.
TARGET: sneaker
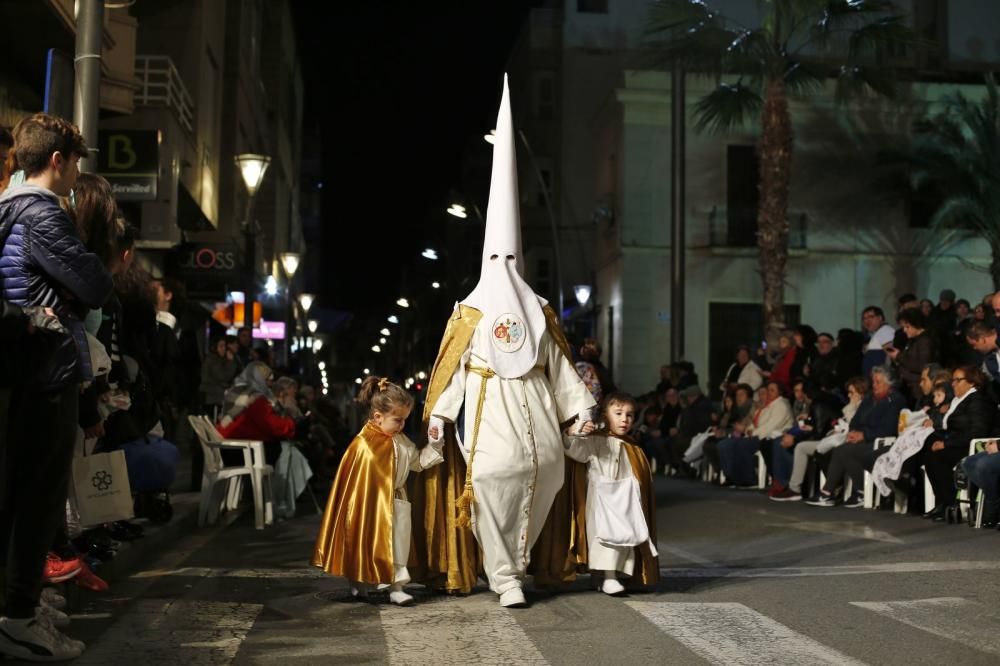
{"x":787,"y":495}
{"x":46,"y":622}
{"x":50,"y":597}
{"x":824,"y":501}
{"x":32,"y":639}
{"x":399,"y":597}
{"x":58,"y":570}
{"x":612,"y":587}
{"x":57,"y":618}
{"x":88,"y":580}
{"x":775,"y":489}
{"x":855,"y":501}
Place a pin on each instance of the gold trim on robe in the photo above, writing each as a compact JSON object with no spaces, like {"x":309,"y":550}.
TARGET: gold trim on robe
{"x":355,"y":536}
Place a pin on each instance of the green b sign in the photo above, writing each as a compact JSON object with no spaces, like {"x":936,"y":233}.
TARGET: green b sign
{"x":130,"y":160}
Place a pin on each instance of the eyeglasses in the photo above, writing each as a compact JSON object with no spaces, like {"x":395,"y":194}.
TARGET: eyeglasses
{"x":958,"y":379}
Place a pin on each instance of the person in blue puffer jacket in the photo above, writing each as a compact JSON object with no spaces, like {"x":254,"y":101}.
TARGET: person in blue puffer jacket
{"x":43,"y":265}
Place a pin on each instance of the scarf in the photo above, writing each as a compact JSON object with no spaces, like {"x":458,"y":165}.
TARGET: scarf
{"x":249,"y":385}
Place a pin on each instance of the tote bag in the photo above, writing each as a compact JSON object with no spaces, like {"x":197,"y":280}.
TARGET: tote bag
{"x":103,"y":494}
{"x":618,"y":516}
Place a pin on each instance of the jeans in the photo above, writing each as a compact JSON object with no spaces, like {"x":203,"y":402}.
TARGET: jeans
{"x":782,"y":461}
{"x":983,"y":470}
{"x":737,"y":457}
{"x":848,"y":462}
{"x":41,"y":438}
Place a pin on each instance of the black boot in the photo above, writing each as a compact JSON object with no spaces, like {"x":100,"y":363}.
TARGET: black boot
{"x":991,"y":513}
{"x":936,"y":514}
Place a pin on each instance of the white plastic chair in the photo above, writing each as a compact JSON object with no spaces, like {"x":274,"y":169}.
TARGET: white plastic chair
{"x":976,"y":446}
{"x":761,"y":470}
{"x":216,"y":473}
{"x":880,"y":442}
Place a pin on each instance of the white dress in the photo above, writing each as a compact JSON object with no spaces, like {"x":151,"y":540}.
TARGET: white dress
{"x":519,"y":462}
{"x":408,"y":459}
{"x":605,"y":458}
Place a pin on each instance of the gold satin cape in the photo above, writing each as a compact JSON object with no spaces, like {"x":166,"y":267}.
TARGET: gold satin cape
{"x":446,"y":556}
{"x":647,"y":567}
{"x":355,"y":536}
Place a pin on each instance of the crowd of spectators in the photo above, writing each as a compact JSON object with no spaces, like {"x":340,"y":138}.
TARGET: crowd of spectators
{"x":820,"y":410}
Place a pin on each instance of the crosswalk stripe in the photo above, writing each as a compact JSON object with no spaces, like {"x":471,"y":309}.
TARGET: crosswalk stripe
{"x":470,"y":630}
{"x":175,"y":632}
{"x":731,"y":633}
{"x":960,"y":620}
{"x":832,"y":570}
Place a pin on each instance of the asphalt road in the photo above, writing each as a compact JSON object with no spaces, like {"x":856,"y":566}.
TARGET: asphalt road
{"x":746,"y":581}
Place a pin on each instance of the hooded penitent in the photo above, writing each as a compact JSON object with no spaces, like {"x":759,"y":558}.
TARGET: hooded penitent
{"x":512,"y":315}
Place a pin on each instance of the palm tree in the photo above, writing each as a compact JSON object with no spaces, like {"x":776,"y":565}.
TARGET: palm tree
{"x":799,"y":45}
{"x":956,"y":154}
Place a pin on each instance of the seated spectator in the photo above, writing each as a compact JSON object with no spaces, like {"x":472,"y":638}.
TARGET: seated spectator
{"x":807,"y":449}
{"x":732,"y":423}
{"x":877,"y":416}
{"x":815,"y":412}
{"x":969,"y":417}
{"x":983,"y":470}
{"x":249,"y":412}
{"x":920,"y":350}
{"x":286,"y":392}
{"x":686,"y":376}
{"x":743,"y":371}
{"x":931,"y":375}
{"x":671,"y":409}
{"x":695,"y":418}
{"x":771,"y":420}
{"x":880,"y":335}
{"x":651,"y":438}
{"x":804,"y":339}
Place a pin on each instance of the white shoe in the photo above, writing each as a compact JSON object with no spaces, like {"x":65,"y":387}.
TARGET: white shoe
{"x":46,"y":621}
{"x":32,"y":639}
{"x":50,"y":597}
{"x":612,"y":587}
{"x":399,"y":597}
{"x":359,"y":592}
{"x":56,"y":617}
{"x":513,"y":598}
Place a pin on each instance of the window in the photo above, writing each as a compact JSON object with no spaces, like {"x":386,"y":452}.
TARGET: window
{"x":592,"y":6}
{"x":742,"y":195}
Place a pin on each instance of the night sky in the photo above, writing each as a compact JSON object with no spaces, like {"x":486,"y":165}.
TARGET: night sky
{"x":399,"y":89}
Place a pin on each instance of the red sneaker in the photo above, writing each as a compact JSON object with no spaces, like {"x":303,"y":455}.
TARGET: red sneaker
{"x":91,"y":581}
{"x":58,"y":570}
{"x":776,"y":489}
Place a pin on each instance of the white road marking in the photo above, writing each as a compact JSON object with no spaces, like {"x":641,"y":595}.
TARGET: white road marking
{"x":471,"y":630}
{"x":731,"y":633}
{"x":685,"y":554}
{"x":194,"y":633}
{"x":835,"y":570}
{"x":960,"y":620}
{"x":840,"y":529}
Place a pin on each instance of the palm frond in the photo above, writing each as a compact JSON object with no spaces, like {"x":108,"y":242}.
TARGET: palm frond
{"x":875,"y":41}
{"x":728,"y":107}
{"x":803,"y":77}
{"x":860,"y":81}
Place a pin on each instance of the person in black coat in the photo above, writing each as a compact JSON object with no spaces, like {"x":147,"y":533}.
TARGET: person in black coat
{"x":970,"y":417}
{"x":696,"y":417}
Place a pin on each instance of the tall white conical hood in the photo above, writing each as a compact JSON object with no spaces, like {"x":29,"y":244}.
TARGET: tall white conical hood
{"x":512,"y":313}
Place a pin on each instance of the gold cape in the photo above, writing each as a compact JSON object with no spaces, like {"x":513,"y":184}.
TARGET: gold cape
{"x":355,"y":536}
{"x":446,"y":556}
{"x":647,"y":567}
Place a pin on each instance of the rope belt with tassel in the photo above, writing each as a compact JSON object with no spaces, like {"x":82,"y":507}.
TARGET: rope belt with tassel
{"x":465,"y":501}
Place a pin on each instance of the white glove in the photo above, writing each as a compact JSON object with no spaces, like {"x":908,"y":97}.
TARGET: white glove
{"x":436,"y":423}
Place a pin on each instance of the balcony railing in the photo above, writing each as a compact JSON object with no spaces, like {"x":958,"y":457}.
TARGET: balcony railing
{"x":162,"y":86}
{"x":722,"y":233}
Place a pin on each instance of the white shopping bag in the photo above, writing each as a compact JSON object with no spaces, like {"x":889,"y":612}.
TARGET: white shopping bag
{"x":101,"y":487}
{"x":617,"y":511}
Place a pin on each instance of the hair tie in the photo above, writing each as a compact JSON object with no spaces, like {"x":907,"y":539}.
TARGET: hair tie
{"x":383,"y":384}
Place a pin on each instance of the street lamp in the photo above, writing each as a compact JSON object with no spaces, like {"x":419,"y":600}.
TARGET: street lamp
{"x":290,"y":262}
{"x":252,"y":167}
{"x":376,"y":348}
{"x":435,"y":285}
{"x":306,"y":301}
{"x":392,"y":319}
{"x":458,"y":211}
{"x":382,"y":341}
{"x":271,"y":286}
{"x":313,"y":325}
{"x":429,"y":253}
{"x":582,"y":292}
{"x":403,"y":303}
{"x":385,"y":331}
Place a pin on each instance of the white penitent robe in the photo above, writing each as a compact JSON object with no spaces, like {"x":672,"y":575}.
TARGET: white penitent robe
{"x":604,"y":456}
{"x":408,"y":459}
{"x":519,"y":462}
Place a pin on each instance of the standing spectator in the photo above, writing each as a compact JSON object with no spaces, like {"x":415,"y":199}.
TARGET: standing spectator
{"x":784,"y":362}
{"x":165,"y":355}
{"x":877,"y":416}
{"x":963,"y":310}
{"x":217,"y":373}
{"x":743,"y":371}
{"x":944,"y":316}
{"x":6,"y":143}
{"x":686,"y":376}
{"x":919,"y":351}
{"x":983,"y":339}
{"x":880,"y":335}
{"x":244,"y":352}
{"x":665,"y":380}
{"x":969,"y":417}
{"x":823,"y":368}
{"x":43,"y":263}
{"x":804,"y":339}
